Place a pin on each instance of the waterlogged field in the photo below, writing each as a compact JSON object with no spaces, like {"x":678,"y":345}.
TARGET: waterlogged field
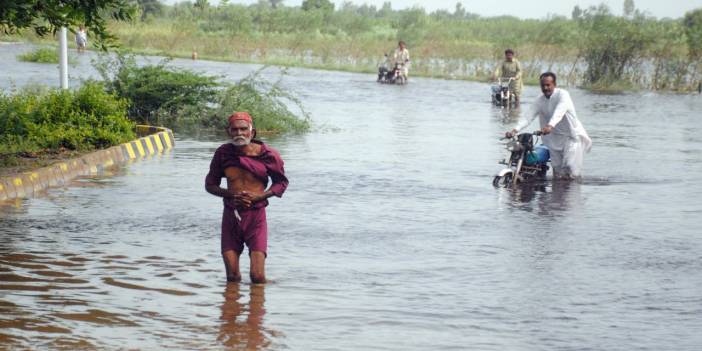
{"x":595,"y":47}
{"x":390,"y":236}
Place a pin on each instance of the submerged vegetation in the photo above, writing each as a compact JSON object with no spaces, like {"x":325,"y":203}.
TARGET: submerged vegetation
{"x":40,"y":55}
{"x":181,"y":99}
{"x":43,"y":55}
{"x":594,"y":47}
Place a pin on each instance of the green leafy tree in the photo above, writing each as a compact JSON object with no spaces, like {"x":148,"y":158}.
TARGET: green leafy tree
{"x":46,"y":17}
{"x":577,"y":13}
{"x":150,"y":8}
{"x":412,"y":25}
{"x":613,"y":45}
{"x":693,"y":31}
{"x":276,"y":3}
{"x":324,"y":5}
{"x":460,"y":11}
{"x":629,"y":8}
{"x":202,"y":4}
{"x":386,"y":10}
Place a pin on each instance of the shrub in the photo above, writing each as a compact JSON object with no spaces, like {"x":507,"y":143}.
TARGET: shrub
{"x":266,"y":104}
{"x":85,"y":119}
{"x":155,"y":91}
{"x":181,"y":99}
{"x":40,"y":55}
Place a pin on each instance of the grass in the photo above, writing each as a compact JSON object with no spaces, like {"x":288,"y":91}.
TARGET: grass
{"x":44,"y":55}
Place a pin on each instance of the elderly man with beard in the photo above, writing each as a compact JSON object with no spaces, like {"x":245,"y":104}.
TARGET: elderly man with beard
{"x":247,"y":164}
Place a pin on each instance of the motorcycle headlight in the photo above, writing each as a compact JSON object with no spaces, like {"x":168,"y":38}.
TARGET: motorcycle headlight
{"x":514,"y":147}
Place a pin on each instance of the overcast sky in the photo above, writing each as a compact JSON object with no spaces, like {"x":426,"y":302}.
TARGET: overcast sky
{"x":520,"y":8}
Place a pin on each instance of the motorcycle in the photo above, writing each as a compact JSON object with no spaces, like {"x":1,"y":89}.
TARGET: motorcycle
{"x":527,"y":160}
{"x":394,"y":76}
{"x":383,"y":70}
{"x":501,"y":92}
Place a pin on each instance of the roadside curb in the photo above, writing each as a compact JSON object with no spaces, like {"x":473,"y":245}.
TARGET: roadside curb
{"x":154,"y":140}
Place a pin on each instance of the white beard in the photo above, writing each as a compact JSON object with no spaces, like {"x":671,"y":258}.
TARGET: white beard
{"x":240,"y":141}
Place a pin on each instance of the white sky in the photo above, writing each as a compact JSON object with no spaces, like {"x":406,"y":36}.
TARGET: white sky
{"x":520,"y":8}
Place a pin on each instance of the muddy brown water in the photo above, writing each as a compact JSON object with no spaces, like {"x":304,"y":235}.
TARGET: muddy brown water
{"x":390,"y":236}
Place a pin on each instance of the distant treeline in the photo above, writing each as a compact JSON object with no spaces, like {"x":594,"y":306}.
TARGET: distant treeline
{"x":592,"y":48}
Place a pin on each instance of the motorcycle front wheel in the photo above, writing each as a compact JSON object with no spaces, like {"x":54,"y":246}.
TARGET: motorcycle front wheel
{"x":502,"y":181}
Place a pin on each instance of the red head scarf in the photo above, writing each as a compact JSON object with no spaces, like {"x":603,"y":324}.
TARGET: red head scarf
{"x":240,"y":116}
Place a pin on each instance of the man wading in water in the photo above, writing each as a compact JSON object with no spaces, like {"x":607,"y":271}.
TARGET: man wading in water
{"x":564,"y":135}
{"x":247,"y":164}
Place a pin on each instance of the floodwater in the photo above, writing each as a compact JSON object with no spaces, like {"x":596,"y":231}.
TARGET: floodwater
{"x":390,"y":236}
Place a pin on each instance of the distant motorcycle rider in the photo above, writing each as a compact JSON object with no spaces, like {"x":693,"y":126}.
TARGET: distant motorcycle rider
{"x":401,"y":58}
{"x":511,"y":68}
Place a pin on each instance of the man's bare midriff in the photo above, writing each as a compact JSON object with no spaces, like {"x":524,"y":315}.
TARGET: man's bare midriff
{"x":240,"y":180}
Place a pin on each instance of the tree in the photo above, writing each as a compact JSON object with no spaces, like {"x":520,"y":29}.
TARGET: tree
{"x":46,"y":17}
{"x":324,"y":5}
{"x":275,"y":3}
{"x":150,"y":7}
{"x":412,"y":25}
{"x":693,"y":31}
{"x":460,"y":11}
{"x":577,"y":13}
{"x":202,"y":4}
{"x":629,"y":8}
{"x":386,"y":10}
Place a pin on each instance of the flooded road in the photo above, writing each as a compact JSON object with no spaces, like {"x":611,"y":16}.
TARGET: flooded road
{"x":389,"y":237}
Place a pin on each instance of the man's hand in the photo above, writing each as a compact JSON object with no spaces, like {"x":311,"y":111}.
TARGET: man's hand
{"x":249,"y":199}
{"x":547,"y":129}
{"x":242,"y":199}
{"x":510,"y":134}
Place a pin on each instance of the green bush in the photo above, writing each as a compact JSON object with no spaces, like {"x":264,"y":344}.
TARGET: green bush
{"x":43,"y":55}
{"x":40,"y":55}
{"x":265,"y":102}
{"x":181,"y":99}
{"x":37,"y":119}
{"x":154,"y":91}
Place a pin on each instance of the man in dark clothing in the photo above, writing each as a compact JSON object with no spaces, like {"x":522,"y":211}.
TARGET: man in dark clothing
{"x":247,"y":164}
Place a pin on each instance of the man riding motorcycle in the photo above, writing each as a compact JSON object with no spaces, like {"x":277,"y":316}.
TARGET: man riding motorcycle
{"x":401,"y":59}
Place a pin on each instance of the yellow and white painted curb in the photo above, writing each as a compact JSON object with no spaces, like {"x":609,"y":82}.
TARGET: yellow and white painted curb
{"x":154,"y":141}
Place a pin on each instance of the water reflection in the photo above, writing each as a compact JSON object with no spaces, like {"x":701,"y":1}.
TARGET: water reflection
{"x":507,"y":116}
{"x":242,"y":324}
{"x":549,"y":198}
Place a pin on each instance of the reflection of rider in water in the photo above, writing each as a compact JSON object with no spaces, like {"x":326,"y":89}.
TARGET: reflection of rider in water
{"x":511,"y":68}
{"x":401,"y":58}
{"x":248,"y":334}
{"x":553,"y":200}
{"x":564,"y":135}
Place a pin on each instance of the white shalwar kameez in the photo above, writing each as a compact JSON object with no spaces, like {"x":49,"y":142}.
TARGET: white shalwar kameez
{"x":568,"y":141}
{"x":402,"y":57}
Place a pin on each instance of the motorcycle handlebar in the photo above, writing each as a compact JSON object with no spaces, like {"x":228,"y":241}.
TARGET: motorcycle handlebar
{"x":536,"y":132}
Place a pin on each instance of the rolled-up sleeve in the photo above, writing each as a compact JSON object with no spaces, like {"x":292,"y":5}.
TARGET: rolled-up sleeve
{"x":277,"y":173}
{"x":216,"y":173}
